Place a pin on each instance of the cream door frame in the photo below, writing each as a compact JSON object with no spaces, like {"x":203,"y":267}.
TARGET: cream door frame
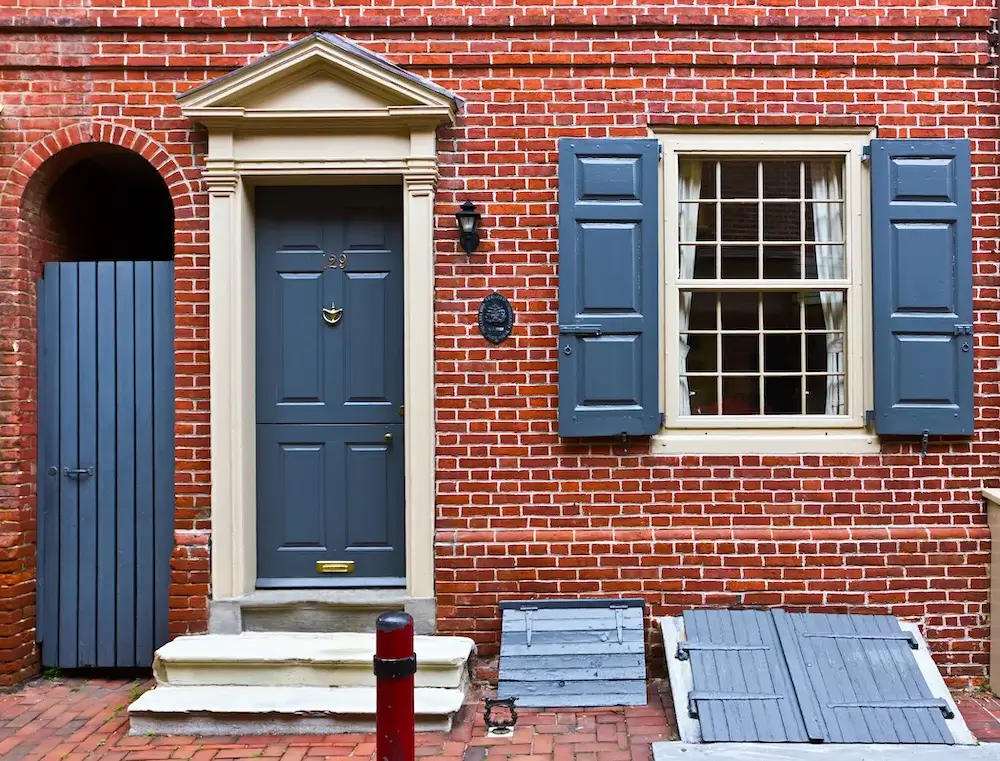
{"x":313,"y":142}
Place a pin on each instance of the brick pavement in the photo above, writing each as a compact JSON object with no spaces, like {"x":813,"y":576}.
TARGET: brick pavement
{"x":77,"y":719}
{"x":981,"y":711}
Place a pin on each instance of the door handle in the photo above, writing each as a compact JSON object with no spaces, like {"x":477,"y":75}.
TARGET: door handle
{"x":387,"y":438}
{"x":78,"y":472}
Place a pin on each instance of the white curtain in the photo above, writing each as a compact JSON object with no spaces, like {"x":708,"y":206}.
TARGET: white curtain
{"x":689,"y":190}
{"x":828,"y":221}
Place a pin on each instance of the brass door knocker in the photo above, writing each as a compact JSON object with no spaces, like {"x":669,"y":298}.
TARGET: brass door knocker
{"x":333,"y":315}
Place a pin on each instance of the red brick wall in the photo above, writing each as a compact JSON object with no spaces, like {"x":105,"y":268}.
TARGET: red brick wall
{"x":519,"y":512}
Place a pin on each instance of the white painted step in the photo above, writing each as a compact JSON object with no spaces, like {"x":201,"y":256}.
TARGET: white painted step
{"x":269,"y":659}
{"x":240,"y":710}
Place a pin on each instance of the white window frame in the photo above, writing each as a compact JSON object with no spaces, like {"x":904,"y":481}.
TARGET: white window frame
{"x":778,"y":434}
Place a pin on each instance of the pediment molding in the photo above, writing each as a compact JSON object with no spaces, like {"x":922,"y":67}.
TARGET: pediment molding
{"x":321,"y":78}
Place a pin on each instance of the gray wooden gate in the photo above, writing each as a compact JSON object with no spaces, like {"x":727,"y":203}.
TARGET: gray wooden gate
{"x":106,"y":461}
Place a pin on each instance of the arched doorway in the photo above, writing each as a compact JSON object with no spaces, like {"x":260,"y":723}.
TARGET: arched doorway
{"x":103,"y":224}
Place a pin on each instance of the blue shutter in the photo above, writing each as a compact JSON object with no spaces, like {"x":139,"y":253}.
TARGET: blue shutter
{"x":608,"y":288}
{"x":922,"y":286}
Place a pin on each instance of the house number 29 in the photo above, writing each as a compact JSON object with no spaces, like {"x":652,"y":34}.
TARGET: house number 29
{"x":335,"y":262}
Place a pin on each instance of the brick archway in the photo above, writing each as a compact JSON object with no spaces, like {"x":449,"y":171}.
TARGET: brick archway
{"x":22,"y":253}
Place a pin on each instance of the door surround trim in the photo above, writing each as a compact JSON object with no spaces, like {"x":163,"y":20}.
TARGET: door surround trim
{"x":251,"y":146}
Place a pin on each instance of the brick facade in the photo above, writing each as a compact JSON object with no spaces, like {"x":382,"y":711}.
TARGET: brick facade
{"x":519,"y":511}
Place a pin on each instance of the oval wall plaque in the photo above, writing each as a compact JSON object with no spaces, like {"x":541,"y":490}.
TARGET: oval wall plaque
{"x":496,"y":318}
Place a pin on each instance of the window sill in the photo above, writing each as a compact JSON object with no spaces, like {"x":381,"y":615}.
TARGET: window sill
{"x":763,"y":441}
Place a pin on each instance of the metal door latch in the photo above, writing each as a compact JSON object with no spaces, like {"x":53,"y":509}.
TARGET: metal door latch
{"x":77,"y":472}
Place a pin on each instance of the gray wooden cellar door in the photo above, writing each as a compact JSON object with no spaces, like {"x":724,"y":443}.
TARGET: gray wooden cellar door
{"x":106,"y":461}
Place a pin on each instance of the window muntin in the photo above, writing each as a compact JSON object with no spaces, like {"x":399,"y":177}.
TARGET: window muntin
{"x":763,"y":288}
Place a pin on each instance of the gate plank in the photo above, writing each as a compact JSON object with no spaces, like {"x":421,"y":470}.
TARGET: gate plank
{"x":69,"y":458}
{"x":125,"y":384}
{"x":87,"y":486}
{"x":106,"y":465}
{"x":163,"y":444}
{"x":48,"y":418}
{"x":145,"y":600}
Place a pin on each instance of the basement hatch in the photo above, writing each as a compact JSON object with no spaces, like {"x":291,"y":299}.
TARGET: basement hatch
{"x":769,"y":676}
{"x":573,"y":653}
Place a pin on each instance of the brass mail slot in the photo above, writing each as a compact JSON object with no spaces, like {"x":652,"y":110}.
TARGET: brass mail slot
{"x":335,"y":566}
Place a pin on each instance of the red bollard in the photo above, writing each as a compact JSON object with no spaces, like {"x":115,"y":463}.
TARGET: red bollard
{"x":395,"y":665}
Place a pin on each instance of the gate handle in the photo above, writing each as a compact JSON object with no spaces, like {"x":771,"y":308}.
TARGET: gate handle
{"x":78,"y":472}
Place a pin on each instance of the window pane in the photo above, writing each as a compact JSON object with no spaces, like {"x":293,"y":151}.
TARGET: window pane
{"x":739,"y":222}
{"x":826,"y":395}
{"x":781,"y":310}
{"x":740,"y":353}
{"x":702,"y":356}
{"x":783,"y":353}
{"x":825,"y":179}
{"x":740,"y":262}
{"x":825,"y":353}
{"x":695,"y":222}
{"x":701,"y":310}
{"x":782,"y":179}
{"x":782,"y":262}
{"x":827,"y":222}
{"x":826,"y":262}
{"x":782,"y":221}
{"x":741,"y":395}
{"x":708,"y":170}
{"x":703,"y":393}
{"x":783,"y":395}
{"x":704,"y":262}
{"x":739,"y":179}
{"x":739,"y":311}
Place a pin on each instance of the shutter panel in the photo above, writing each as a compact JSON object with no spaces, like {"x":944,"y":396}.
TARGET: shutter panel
{"x":922,"y":286}
{"x":608,"y":288}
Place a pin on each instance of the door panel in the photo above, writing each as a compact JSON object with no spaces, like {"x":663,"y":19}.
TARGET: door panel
{"x":329,"y":492}
{"x":106,"y":462}
{"x":307,"y":370}
{"x":329,"y":385}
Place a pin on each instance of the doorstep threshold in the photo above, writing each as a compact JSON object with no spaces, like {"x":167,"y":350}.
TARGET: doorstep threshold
{"x":328,"y":596}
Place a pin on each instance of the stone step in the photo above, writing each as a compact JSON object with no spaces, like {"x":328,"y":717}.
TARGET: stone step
{"x":278,"y":710}
{"x":316,"y":610}
{"x":341,"y":659}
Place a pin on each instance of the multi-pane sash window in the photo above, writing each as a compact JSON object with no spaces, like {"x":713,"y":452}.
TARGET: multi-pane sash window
{"x":762,"y":286}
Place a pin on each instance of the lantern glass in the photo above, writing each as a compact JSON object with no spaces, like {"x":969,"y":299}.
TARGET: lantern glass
{"x":467,"y":222}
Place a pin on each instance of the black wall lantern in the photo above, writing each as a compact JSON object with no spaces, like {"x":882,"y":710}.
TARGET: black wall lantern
{"x":468,"y":223}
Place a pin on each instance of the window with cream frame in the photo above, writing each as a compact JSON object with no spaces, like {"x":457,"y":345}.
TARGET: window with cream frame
{"x":766,"y":296}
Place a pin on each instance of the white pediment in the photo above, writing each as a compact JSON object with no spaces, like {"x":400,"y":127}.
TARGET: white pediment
{"x":321,"y":76}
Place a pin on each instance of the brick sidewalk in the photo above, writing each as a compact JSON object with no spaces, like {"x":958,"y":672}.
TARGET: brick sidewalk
{"x":81,"y":719}
{"x":981,"y":711}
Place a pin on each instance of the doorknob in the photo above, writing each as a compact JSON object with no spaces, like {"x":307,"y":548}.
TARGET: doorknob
{"x":388,"y":438}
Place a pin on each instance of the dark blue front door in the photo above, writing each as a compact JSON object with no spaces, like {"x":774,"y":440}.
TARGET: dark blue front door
{"x":330,"y":387}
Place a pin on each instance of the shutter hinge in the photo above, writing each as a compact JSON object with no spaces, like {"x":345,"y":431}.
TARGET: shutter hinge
{"x":923,"y":443}
{"x":663,"y":419}
{"x":869,"y":419}
{"x":659,"y":149}
{"x":962,"y":330}
{"x":866,"y":153}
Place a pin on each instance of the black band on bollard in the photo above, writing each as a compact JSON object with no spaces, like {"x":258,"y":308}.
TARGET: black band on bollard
{"x":395,"y":668}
